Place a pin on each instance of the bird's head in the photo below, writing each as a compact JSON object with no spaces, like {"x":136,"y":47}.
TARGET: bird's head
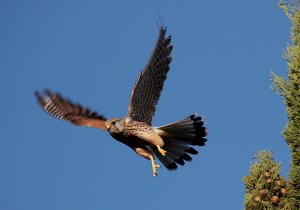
{"x":115,"y":125}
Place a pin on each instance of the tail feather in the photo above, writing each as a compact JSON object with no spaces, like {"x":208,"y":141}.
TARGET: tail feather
{"x":179,"y":137}
{"x":178,"y":149}
{"x":165,"y":160}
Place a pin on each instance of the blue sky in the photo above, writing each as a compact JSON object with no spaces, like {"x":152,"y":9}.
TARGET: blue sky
{"x":92,"y":52}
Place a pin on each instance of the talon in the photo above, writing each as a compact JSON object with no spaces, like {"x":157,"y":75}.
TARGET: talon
{"x":154,"y":171}
{"x":161,"y":151}
{"x":154,"y":167}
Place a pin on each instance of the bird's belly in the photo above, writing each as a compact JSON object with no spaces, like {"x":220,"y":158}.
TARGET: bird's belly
{"x":131,"y":141}
{"x":141,"y":139}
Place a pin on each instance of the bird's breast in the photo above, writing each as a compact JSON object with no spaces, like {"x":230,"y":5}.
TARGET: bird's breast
{"x":138,"y":131}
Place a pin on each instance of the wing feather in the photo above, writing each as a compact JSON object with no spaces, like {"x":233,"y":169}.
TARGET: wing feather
{"x":62,"y":108}
{"x":149,"y":84}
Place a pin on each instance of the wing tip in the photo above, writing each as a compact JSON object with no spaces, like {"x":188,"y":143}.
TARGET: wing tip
{"x":161,"y":24}
{"x":48,"y":92}
{"x":37,"y":94}
{"x":39,"y":97}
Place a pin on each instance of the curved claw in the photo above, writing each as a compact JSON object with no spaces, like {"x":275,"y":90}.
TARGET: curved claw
{"x":161,"y":151}
{"x":154,"y":167}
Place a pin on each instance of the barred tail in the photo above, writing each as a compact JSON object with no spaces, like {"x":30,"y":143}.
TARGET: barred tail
{"x":179,"y":137}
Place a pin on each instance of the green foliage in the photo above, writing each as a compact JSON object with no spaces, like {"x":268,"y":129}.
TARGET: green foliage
{"x":265,"y":188}
{"x":289,"y":89}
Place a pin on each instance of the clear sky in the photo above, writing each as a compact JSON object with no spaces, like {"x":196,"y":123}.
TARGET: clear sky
{"x":92,"y":52}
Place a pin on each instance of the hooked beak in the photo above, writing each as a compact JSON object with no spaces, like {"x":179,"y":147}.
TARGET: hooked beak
{"x":107,"y":127}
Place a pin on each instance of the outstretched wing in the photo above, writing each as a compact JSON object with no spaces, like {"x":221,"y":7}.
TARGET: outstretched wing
{"x":63,"y":109}
{"x":149,"y":84}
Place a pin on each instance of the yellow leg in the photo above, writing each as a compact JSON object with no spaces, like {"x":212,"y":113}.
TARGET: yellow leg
{"x":154,"y":167}
{"x":161,"y":151}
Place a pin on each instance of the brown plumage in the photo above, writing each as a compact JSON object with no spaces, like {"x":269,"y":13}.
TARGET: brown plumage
{"x":64,"y":109}
{"x":149,"y":84}
{"x":172,"y":144}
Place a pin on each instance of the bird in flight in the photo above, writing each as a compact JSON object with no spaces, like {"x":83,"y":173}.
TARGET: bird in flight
{"x":172,"y":144}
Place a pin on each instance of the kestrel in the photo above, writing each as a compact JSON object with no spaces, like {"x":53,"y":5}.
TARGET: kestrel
{"x":171,"y":143}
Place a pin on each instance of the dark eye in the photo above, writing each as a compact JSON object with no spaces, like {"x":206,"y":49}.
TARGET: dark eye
{"x":113,"y":122}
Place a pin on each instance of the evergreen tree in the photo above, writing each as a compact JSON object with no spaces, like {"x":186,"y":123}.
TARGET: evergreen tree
{"x":265,"y":188}
{"x":263,"y":182}
{"x":289,"y":89}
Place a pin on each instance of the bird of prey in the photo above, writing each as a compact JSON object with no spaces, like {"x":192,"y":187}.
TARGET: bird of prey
{"x":171,"y":143}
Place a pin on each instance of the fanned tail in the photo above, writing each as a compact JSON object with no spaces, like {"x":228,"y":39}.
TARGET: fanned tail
{"x":179,"y":138}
